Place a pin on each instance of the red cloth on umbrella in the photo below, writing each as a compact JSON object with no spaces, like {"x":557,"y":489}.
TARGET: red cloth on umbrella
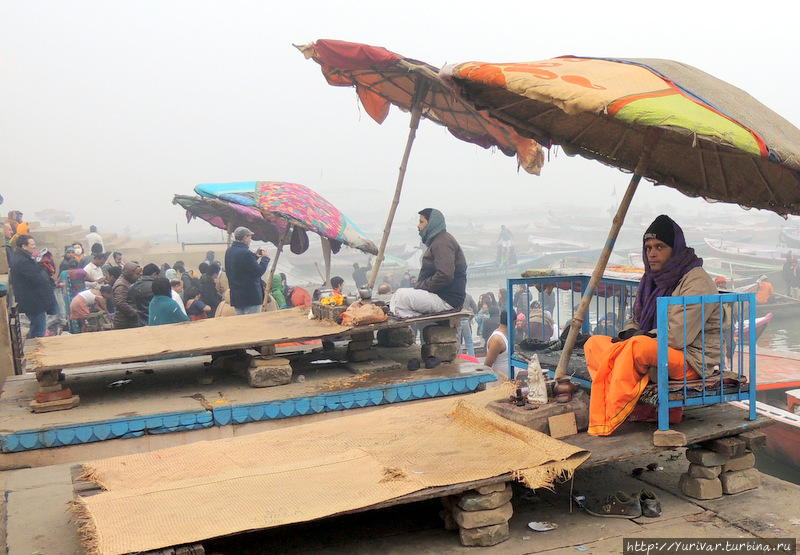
{"x":353,"y":55}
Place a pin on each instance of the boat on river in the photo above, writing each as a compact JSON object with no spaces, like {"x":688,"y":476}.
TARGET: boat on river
{"x":790,"y":236}
{"x":779,"y":308}
{"x":746,"y":252}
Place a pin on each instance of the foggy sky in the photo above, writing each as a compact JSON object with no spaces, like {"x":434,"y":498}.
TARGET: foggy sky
{"x":110,"y":108}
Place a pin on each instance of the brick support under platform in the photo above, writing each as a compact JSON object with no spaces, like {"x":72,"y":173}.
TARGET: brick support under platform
{"x":722,"y":466}
{"x":52,"y":394}
{"x":481,"y":515}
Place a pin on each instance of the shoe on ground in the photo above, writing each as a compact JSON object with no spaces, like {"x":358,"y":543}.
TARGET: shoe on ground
{"x":432,"y":362}
{"x":618,"y":505}
{"x":651,"y":506}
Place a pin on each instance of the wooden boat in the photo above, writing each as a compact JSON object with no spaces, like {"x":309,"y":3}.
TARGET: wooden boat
{"x":779,"y":308}
{"x":783,"y":437}
{"x":790,"y":236}
{"x":760,"y":254}
{"x":761,"y":325}
{"x":779,"y":399}
{"x":494,"y":271}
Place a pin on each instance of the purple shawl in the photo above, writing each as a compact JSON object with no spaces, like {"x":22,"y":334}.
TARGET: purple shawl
{"x":663,"y":283}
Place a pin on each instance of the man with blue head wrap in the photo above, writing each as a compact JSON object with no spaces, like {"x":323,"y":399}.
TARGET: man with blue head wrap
{"x":442,"y":281}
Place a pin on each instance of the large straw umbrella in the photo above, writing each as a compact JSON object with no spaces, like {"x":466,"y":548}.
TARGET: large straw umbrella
{"x":662,"y":120}
{"x":382,"y":78}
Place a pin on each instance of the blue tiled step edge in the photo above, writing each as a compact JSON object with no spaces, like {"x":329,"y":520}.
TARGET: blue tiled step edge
{"x":240,"y":414}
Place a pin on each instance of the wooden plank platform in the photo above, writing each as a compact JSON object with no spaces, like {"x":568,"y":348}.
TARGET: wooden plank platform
{"x":201,"y":337}
{"x":629,"y":441}
{"x":633,"y":439}
{"x":82,"y":488}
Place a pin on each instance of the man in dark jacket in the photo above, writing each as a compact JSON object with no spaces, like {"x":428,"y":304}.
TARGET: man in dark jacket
{"x":33,"y":288}
{"x":125,"y":314}
{"x":141,"y":292}
{"x":208,"y":287}
{"x":442,"y":281}
{"x":244,"y":270}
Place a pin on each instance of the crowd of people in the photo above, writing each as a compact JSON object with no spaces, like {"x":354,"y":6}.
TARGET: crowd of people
{"x":619,"y":362}
{"x":101,"y":290}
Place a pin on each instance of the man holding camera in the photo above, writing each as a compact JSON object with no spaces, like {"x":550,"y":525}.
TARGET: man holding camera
{"x":244,"y":270}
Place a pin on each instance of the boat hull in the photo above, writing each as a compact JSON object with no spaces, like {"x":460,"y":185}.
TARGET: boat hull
{"x":790,"y":309}
{"x":791,"y":238}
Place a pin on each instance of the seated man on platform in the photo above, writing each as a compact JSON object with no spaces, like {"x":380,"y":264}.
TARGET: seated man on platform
{"x":620,"y":367}
{"x":442,"y":282}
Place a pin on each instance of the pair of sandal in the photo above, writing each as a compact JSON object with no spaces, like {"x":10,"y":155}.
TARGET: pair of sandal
{"x":621,"y":505}
{"x":429,"y":362}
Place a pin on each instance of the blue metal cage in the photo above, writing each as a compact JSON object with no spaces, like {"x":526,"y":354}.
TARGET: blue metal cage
{"x":548,"y":305}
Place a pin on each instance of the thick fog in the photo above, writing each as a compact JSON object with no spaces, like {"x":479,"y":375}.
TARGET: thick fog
{"x":111,"y":108}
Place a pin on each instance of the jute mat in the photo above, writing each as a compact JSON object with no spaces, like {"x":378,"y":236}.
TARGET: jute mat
{"x":214,"y":488}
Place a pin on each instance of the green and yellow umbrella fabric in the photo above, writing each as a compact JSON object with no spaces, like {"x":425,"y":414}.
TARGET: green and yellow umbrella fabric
{"x":660,"y":119}
{"x":716,"y":141}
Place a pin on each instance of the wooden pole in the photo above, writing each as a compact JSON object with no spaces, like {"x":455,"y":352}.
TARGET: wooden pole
{"x":278,"y":250}
{"x":326,"y":256}
{"x":416,"y":113}
{"x":651,"y":138}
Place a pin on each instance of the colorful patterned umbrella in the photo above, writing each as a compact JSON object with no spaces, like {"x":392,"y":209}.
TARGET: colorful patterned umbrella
{"x":229,"y":215}
{"x":305,"y":208}
{"x":663,"y":120}
{"x":716,"y":140}
{"x":382,"y":78}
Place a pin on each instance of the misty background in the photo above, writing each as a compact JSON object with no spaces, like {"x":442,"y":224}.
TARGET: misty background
{"x":111,"y":108}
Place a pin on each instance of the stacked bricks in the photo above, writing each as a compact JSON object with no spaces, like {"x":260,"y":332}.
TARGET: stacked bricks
{"x":269,"y":371}
{"x":360,"y":347}
{"x":722,"y":466}
{"x":396,"y":337}
{"x":481,"y":515}
{"x":441,"y":341}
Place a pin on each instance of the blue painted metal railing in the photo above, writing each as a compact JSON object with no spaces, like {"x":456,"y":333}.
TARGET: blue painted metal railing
{"x":611,"y":306}
{"x":732,"y":353}
{"x":560,"y":296}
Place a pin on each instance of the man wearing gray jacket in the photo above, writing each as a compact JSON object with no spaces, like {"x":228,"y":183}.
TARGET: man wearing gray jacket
{"x":442,"y":282}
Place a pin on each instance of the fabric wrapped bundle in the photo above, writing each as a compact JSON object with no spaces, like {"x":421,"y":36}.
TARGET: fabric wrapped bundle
{"x":360,"y":314}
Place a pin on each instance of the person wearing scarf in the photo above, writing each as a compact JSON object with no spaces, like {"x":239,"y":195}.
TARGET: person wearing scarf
{"x":621,"y":367}
{"x":442,"y":281}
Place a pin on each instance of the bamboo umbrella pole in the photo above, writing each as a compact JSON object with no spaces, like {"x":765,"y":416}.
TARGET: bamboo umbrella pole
{"x":278,"y":250}
{"x":416,"y":113}
{"x":651,"y":138}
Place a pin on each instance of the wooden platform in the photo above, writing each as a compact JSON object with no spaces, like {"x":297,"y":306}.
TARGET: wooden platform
{"x":633,"y":439}
{"x":629,"y":441}
{"x":147,"y":402}
{"x":201,"y":337}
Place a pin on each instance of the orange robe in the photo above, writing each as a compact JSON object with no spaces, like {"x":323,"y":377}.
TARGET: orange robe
{"x":619,"y":374}
{"x":764,"y":292}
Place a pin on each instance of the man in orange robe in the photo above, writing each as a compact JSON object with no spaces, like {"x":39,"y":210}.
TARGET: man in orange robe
{"x":622,"y":366}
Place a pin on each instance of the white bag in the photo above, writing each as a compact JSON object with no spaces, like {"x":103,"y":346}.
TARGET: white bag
{"x":537,"y":389}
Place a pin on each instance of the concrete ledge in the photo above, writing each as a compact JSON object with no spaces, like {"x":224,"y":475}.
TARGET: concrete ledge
{"x":164,"y":423}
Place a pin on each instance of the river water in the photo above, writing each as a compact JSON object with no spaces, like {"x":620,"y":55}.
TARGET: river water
{"x":782,"y":334}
